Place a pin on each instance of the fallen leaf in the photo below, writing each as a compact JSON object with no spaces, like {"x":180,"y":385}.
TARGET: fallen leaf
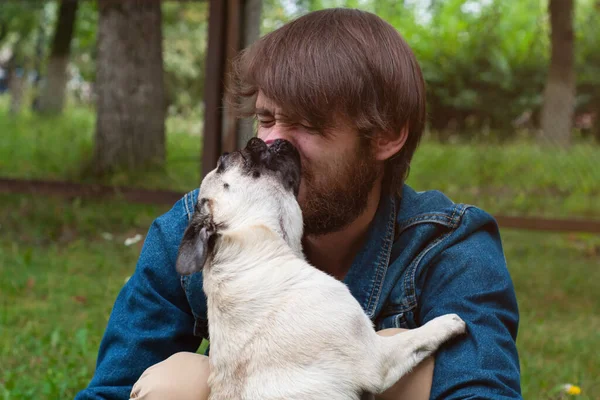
{"x":80,"y":299}
{"x":133,"y":240}
{"x":30,"y":283}
{"x":107,"y":236}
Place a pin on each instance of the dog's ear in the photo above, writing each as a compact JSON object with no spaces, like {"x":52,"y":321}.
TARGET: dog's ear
{"x":196,"y":244}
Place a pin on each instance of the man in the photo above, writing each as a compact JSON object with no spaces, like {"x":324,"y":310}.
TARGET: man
{"x":347,"y":91}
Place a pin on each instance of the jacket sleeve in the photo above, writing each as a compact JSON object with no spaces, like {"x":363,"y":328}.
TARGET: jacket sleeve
{"x":151,"y":318}
{"x":470,"y":278}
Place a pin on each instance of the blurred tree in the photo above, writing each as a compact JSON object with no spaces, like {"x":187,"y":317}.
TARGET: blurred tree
{"x":386,"y":7}
{"x":16,"y":78}
{"x":184,"y":52}
{"x":83,"y":46}
{"x":559,"y":95}
{"x":18,"y":21}
{"x":53,"y":93}
{"x":594,"y":62}
{"x":484,"y":61}
{"x":130,"y":123}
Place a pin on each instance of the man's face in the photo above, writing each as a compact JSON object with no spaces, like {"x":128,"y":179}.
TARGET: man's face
{"x":338,"y":171}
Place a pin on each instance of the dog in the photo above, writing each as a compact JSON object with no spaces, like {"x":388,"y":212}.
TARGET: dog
{"x":280,"y":328}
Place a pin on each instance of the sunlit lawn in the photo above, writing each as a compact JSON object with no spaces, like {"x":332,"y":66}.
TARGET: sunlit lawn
{"x":60,"y":274}
{"x":63,"y":262}
{"x":517,"y":177}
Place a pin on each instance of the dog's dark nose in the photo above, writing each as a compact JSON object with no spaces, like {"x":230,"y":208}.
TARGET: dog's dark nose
{"x":285,"y":158}
{"x":281,"y":145}
{"x":256,"y":146}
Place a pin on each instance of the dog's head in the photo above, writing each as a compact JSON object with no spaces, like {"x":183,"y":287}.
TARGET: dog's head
{"x":255,"y":186}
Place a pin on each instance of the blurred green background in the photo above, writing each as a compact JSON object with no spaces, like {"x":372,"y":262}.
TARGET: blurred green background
{"x":486,"y":65}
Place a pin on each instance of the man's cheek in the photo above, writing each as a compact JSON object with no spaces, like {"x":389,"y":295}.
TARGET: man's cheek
{"x":261,"y":133}
{"x":302,"y":193}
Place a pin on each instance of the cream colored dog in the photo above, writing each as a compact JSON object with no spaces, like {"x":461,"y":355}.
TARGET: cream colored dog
{"x":280,"y":328}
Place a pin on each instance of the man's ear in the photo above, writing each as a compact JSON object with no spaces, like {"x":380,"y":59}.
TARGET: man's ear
{"x":195,"y":247}
{"x":388,"y":144}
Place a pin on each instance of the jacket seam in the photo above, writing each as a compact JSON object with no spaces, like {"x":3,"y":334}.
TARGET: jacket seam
{"x":397,"y":319}
{"x":188,"y":207}
{"x":451,"y":220}
{"x":383,"y":263}
{"x":409,"y":280}
{"x":185,"y":203}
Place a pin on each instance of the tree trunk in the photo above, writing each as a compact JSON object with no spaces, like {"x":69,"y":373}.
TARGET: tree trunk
{"x":130,"y":124}
{"x":16,"y":87}
{"x":559,"y":95}
{"x":17,"y":78}
{"x":596,"y":126}
{"x":52,"y":99}
{"x":596,"y":122}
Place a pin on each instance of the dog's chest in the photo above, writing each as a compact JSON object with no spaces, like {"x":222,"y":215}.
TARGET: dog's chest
{"x":261,"y":335}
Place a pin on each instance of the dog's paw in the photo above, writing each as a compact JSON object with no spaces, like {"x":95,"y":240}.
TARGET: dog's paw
{"x":451,"y":324}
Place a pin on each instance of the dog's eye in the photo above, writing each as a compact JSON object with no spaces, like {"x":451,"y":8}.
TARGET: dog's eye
{"x":226,"y":185}
{"x":256,"y":174}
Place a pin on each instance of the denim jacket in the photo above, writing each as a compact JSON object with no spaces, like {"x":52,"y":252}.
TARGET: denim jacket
{"x":424,"y":256}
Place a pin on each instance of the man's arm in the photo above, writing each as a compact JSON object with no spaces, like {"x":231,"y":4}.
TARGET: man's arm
{"x":151,"y":318}
{"x":416,"y":385}
{"x":470,"y":278}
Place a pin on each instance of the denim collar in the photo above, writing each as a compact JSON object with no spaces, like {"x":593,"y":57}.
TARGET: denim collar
{"x":367,"y":273}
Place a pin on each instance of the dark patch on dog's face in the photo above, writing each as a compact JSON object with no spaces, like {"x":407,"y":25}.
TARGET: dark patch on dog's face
{"x":221,"y":163}
{"x":284,"y":159}
{"x":281,"y":159}
{"x":278,"y":165}
{"x":198,"y":240}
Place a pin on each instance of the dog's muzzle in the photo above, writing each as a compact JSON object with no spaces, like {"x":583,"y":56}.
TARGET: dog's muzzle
{"x":280,"y":157}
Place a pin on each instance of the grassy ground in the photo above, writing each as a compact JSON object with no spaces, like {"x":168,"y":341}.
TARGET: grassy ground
{"x":62,"y":263}
{"x":60,"y":273}
{"x":519,"y":178}
{"x":59,"y":148}
{"x":515,"y":178}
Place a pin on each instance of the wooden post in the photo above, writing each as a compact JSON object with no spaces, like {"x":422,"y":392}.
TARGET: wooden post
{"x":228,"y":33}
{"x":252,"y":22}
{"x":233,"y":45}
{"x":213,"y":86}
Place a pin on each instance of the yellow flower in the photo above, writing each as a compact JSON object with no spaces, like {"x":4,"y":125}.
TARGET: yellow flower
{"x":573,"y":390}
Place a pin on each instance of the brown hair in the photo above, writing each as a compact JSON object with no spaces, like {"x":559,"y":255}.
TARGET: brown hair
{"x":339,"y":63}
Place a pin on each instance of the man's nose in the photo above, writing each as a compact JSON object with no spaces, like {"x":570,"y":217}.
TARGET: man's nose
{"x":275,"y":133}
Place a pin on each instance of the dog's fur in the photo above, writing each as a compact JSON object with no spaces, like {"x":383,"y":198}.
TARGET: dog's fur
{"x":280,"y":328}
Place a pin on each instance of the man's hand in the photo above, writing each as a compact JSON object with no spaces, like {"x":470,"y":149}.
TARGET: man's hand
{"x":414,"y":386}
{"x":183,"y":376}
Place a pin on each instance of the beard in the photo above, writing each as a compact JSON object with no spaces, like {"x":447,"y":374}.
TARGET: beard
{"x":336,"y":194}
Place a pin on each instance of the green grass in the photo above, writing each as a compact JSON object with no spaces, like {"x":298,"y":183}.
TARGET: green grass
{"x":517,"y":177}
{"x":556,"y":279}
{"x":62,"y":262}
{"x":59,"y":276}
{"x":61,"y":147}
